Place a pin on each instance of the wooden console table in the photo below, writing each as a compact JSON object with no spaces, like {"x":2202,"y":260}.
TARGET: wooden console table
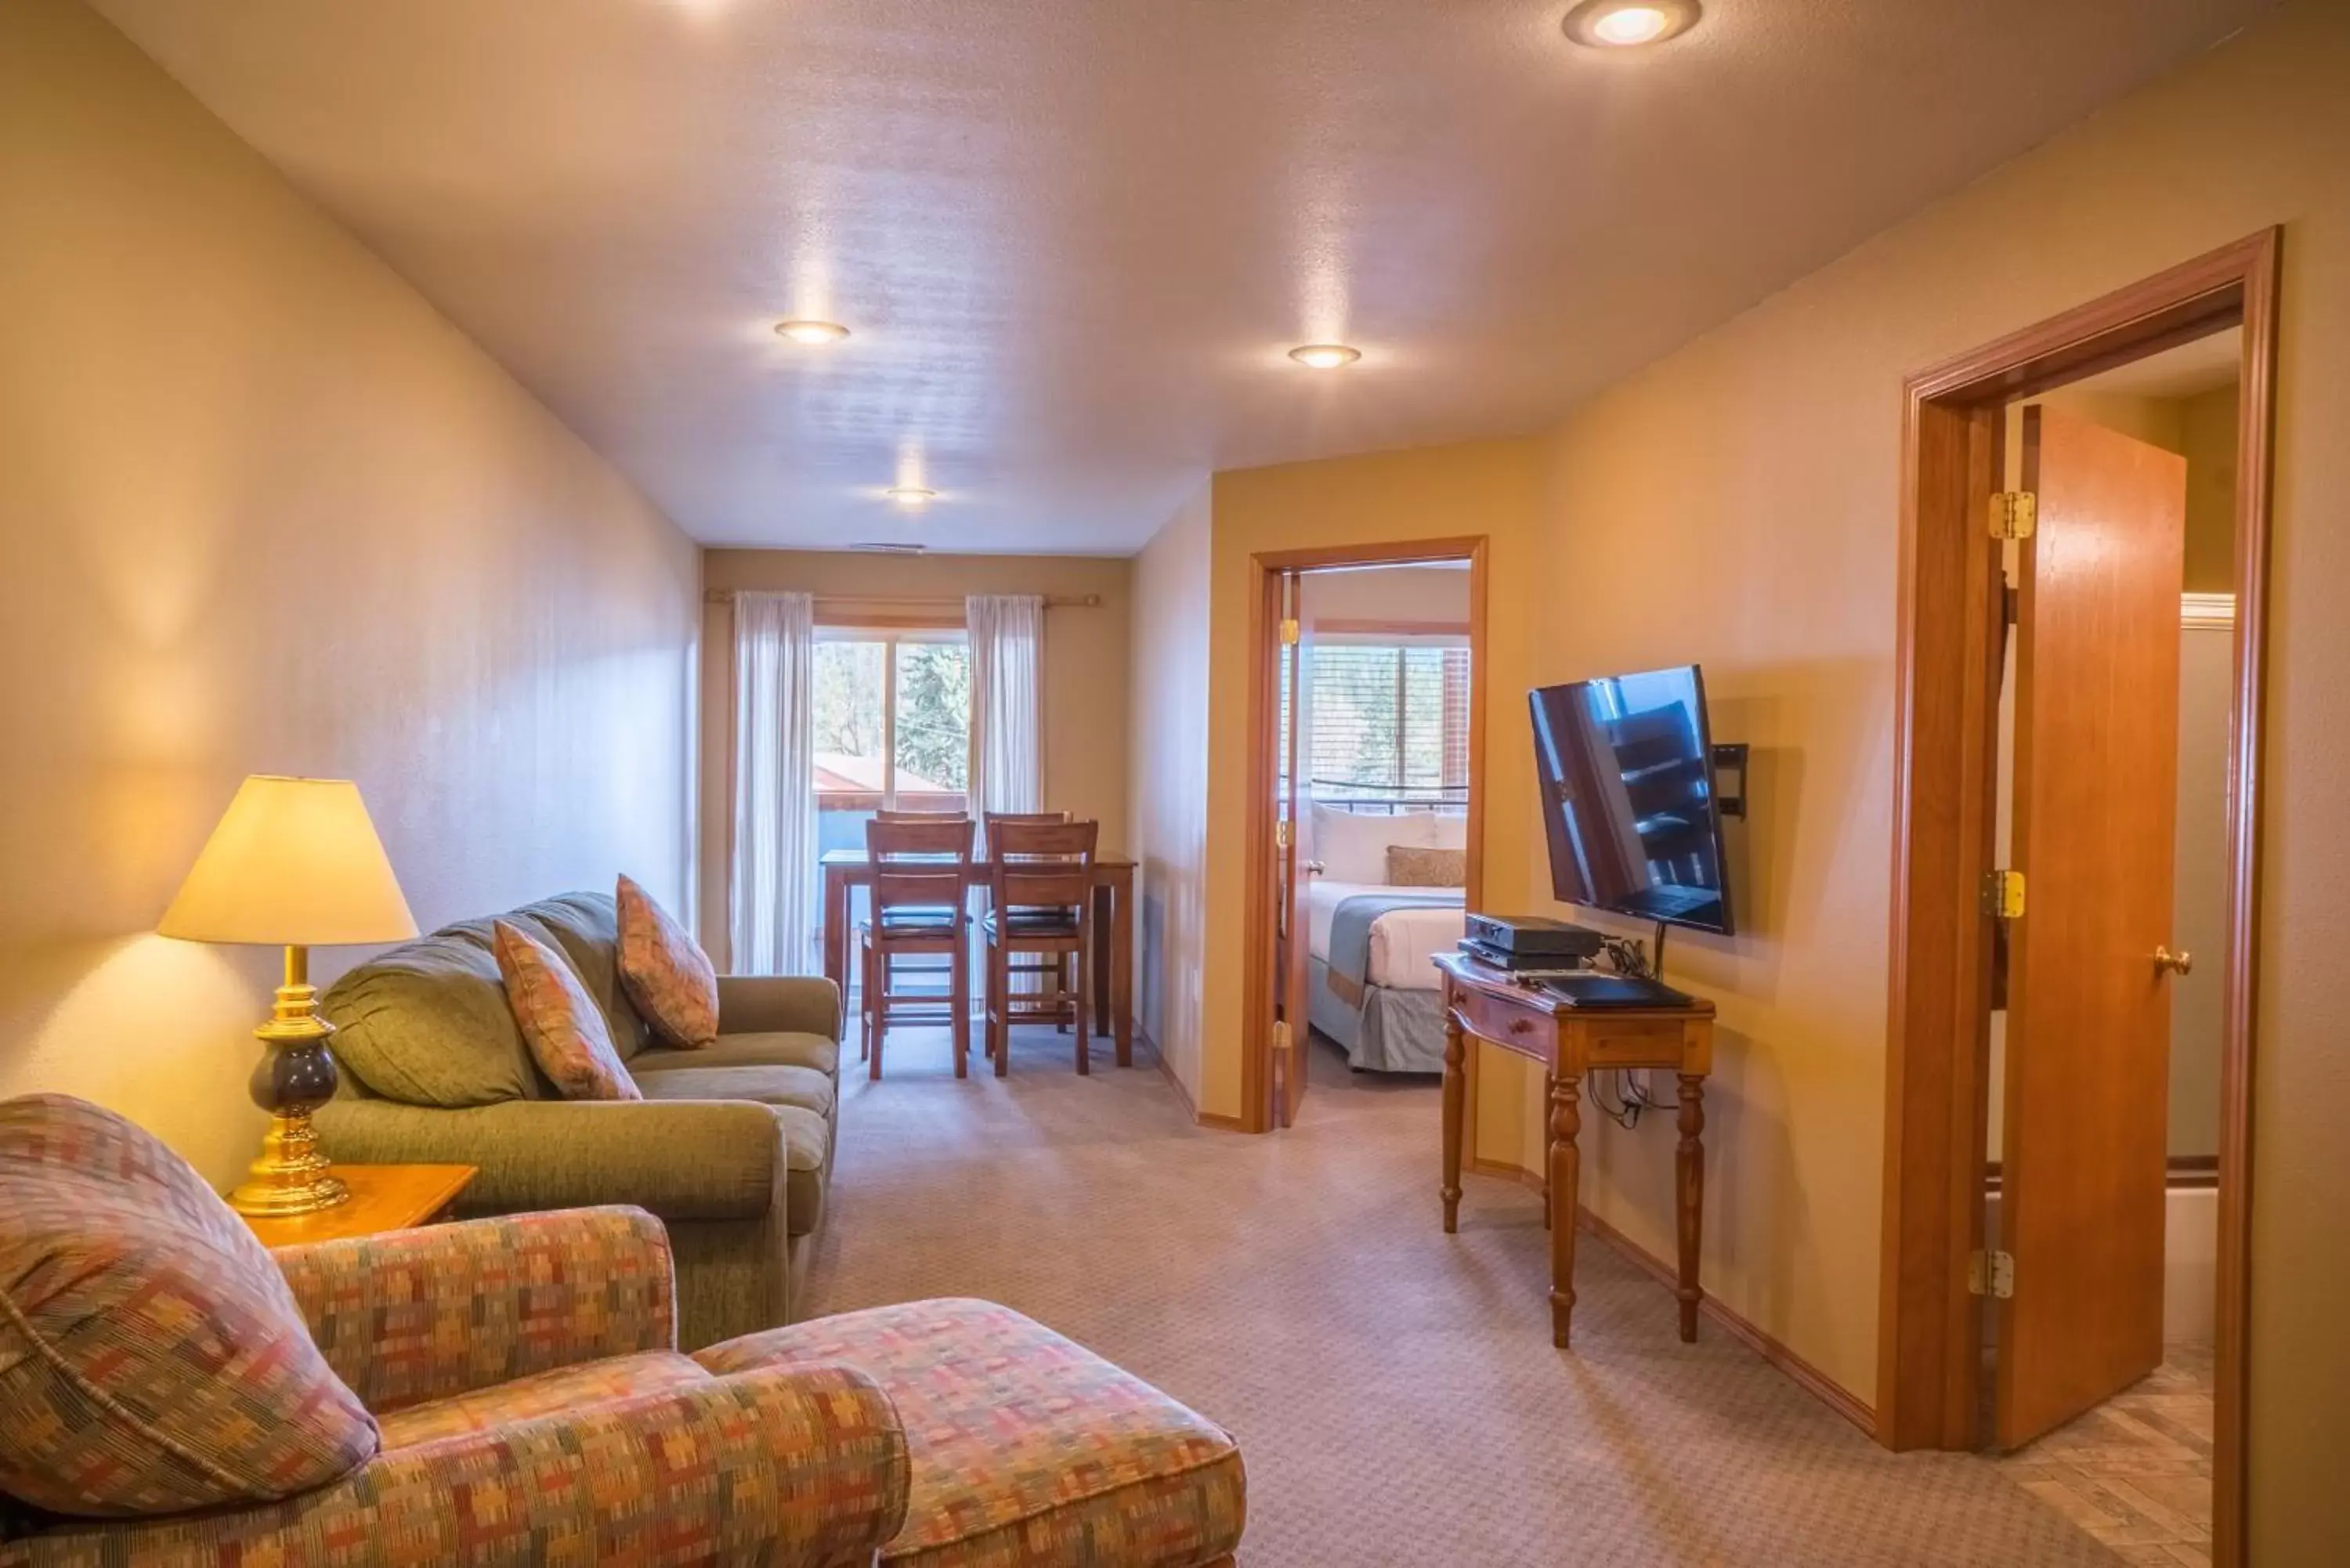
{"x":1570,"y":1041}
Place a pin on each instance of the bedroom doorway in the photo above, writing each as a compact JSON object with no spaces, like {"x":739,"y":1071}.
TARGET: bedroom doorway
{"x":1364,"y":817}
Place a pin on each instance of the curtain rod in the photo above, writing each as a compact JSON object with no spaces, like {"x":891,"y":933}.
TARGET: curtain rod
{"x":912,"y":601}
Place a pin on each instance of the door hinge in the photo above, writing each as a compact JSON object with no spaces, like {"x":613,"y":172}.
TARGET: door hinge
{"x":1280,"y":1037}
{"x":1281,"y":835}
{"x":1991,"y":1274}
{"x":1290,"y":632}
{"x":2014,"y":513}
{"x":2003,"y":894}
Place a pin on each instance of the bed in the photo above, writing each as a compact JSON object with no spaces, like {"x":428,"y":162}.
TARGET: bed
{"x":1373,"y":989}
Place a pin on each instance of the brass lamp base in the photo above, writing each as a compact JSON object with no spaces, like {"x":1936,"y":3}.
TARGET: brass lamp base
{"x":294,"y":1079}
{"x":291,"y":1176}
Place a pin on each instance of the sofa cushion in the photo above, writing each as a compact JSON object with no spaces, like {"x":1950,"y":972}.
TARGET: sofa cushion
{"x":427,"y":1022}
{"x":548,"y":1393}
{"x":665,"y":972}
{"x":561,"y":1024}
{"x":1026,"y":1449}
{"x":802,"y":1086}
{"x":780,"y":1050}
{"x":152,"y":1358}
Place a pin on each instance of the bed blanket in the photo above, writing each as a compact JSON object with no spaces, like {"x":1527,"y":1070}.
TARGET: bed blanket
{"x":1350,"y":931}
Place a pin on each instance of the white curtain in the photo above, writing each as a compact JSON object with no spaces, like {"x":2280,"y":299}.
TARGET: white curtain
{"x":1007,"y":702}
{"x":770,"y":890}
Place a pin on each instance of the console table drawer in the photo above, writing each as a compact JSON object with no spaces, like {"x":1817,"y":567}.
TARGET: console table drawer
{"x":1633,"y":1042}
{"x":1530,"y":1028}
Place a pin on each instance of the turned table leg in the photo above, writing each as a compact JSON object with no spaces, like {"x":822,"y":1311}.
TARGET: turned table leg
{"x":1689,"y":1161}
{"x":1566,"y":1171}
{"x":1455,"y":1108}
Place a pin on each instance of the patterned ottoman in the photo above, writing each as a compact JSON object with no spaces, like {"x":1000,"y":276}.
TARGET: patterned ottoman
{"x":1028,"y":1452}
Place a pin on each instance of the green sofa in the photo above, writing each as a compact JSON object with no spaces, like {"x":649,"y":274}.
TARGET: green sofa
{"x":731,"y":1144}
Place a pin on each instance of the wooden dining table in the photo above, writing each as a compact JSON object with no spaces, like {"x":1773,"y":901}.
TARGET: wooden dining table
{"x":1113,"y":976}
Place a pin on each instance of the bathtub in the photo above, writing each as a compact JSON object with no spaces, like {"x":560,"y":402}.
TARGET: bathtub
{"x":2190,"y":1263}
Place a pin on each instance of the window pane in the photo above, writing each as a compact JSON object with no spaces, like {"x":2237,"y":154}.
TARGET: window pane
{"x":933,"y":724}
{"x":847,"y":692}
{"x":1423,"y":719}
{"x":1354,"y":715}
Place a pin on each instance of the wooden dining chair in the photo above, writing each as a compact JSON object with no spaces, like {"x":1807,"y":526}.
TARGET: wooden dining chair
{"x":1025,"y":1006}
{"x":921,"y":877}
{"x":1041,"y":901}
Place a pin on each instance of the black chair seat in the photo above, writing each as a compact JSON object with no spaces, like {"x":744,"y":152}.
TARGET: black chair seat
{"x":917,"y":920}
{"x":1032,"y":922}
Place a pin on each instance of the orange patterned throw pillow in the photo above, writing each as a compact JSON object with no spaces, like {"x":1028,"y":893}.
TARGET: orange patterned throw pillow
{"x":559,"y":1019}
{"x":153,"y":1359}
{"x":665,"y":971}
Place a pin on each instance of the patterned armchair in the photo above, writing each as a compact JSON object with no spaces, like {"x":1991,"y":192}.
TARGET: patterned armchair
{"x":508,"y":1391}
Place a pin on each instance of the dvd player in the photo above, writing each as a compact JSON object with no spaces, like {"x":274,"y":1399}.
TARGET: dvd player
{"x":1533,"y":936}
{"x":1522,"y":966}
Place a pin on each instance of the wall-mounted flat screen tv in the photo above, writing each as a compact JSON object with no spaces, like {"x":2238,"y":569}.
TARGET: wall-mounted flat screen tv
{"x":1627,"y":778}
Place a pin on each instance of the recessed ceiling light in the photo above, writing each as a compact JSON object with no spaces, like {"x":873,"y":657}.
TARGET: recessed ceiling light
{"x":1626,"y":24}
{"x":1325,"y":356}
{"x":910,"y":494}
{"x":813,"y":333}
{"x":889,"y":547}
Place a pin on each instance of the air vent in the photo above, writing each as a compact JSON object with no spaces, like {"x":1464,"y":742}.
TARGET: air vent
{"x":886,"y":547}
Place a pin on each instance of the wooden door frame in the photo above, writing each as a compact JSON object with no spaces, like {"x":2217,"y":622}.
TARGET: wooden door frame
{"x":1265,"y":571}
{"x":1945,"y":765}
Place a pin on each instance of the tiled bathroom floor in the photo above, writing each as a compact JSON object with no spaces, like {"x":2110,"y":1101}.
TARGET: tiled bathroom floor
{"x":2136,"y":1472}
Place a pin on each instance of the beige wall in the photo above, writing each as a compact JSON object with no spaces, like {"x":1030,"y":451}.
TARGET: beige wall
{"x":1084,"y":720}
{"x":2207,"y":439}
{"x":1765,"y":457}
{"x":1169,"y":726}
{"x":262,"y":509}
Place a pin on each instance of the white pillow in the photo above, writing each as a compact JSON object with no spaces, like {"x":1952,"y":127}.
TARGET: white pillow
{"x":1353,"y":846}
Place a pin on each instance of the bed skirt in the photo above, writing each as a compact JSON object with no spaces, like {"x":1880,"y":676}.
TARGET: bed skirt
{"x":1388,"y":1032}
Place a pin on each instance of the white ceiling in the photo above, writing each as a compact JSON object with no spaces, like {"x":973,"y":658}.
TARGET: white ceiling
{"x":1074,"y":237}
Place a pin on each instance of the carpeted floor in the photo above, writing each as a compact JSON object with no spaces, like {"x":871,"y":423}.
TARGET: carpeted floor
{"x":1393,"y":1389}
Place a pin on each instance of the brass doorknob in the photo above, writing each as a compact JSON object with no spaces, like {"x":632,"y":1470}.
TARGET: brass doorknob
{"x":2176,"y":963}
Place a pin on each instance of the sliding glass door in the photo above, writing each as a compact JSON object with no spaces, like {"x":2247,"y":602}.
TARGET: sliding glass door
{"x":892,"y":716}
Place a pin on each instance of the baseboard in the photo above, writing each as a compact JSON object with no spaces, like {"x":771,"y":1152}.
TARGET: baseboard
{"x":1800,"y":1372}
{"x":1199,"y":1116}
{"x":1507,"y":1172}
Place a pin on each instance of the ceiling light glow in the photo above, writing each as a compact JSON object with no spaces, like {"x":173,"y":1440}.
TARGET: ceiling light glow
{"x":812,"y":333}
{"x":1628,"y":24}
{"x":910,"y":494}
{"x":1324,"y":356}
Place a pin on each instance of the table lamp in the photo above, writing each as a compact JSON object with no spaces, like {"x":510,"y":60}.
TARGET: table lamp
{"x":294,"y":863}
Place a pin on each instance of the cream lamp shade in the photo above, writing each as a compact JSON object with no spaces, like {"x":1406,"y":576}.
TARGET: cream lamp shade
{"x":294,"y":863}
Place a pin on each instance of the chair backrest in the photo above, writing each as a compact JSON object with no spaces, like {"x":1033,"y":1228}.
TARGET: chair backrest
{"x":887,"y":815}
{"x":1042,"y":864}
{"x":920,"y":865}
{"x":1026,"y":818}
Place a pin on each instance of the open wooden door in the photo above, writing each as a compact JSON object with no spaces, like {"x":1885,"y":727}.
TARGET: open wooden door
{"x":2097,"y":755}
{"x":1293,"y":974}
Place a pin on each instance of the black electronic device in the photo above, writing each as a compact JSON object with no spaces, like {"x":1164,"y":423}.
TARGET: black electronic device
{"x":1629,"y":812}
{"x":1598,"y":990}
{"x":1521,"y":966}
{"x":1534,"y":936}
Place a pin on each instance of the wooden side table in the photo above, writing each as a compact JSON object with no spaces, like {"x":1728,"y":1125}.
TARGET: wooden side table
{"x":1570,"y":1041}
{"x":383,"y":1198}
